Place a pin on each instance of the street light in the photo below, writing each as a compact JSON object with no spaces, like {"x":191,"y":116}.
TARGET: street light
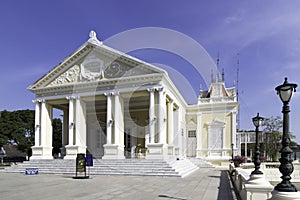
{"x":232,"y":145}
{"x":285,"y":92}
{"x":257,"y":121}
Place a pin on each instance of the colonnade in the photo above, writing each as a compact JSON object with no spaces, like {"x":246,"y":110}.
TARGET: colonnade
{"x":161,"y":126}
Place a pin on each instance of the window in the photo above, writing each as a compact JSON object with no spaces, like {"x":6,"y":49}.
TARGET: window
{"x":192,"y":134}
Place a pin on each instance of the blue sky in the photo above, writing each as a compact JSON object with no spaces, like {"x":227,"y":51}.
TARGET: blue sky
{"x":37,"y":35}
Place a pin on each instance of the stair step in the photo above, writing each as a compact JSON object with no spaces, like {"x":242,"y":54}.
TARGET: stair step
{"x":128,"y":167}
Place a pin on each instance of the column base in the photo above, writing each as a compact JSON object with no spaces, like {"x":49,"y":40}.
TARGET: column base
{"x":63,"y":151}
{"x":257,"y":187}
{"x":171,"y":151}
{"x":276,"y":195}
{"x":157,"y":151}
{"x":113,"y":151}
{"x":176,"y":151}
{"x":72,"y":151}
{"x":39,"y":153}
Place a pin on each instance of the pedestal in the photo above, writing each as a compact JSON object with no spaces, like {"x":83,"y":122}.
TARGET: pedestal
{"x":113,"y":151}
{"x":41,"y":153}
{"x":276,"y":195}
{"x":257,"y":187}
{"x":72,"y":151}
{"x":157,"y":151}
{"x":63,"y":151}
{"x":171,"y":151}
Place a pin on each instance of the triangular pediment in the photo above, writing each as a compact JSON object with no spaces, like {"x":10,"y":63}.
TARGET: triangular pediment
{"x":92,"y":62}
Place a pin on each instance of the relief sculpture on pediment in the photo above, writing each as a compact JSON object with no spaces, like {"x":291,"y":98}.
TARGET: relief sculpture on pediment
{"x":115,"y":70}
{"x":70,"y":76}
{"x":92,"y":68}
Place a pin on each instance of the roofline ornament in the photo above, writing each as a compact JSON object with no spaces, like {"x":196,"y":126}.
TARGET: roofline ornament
{"x":93,"y":38}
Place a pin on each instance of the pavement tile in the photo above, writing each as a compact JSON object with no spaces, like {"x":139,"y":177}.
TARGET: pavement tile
{"x":206,"y":184}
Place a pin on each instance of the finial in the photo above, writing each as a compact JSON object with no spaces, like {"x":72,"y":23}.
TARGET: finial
{"x":93,"y":34}
{"x":93,"y":38}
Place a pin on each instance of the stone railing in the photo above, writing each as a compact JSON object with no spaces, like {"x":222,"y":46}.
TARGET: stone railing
{"x":241,"y":175}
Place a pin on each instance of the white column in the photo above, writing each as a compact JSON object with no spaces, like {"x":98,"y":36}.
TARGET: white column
{"x":71,"y":120}
{"x":46,"y":123}
{"x":109,"y":118}
{"x":118,"y":120}
{"x":37,"y":132}
{"x":199,"y":134}
{"x":151,"y":115}
{"x":246,"y":140}
{"x":80,"y":124}
{"x":233,"y":129}
{"x":161,"y":119}
{"x":171,"y":122}
{"x":43,"y":148}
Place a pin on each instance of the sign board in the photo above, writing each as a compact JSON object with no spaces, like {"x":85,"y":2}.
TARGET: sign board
{"x":31,"y":171}
{"x":89,"y":160}
{"x":80,"y":163}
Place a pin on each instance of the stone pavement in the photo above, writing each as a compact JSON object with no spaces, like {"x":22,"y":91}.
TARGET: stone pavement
{"x":205,"y":183}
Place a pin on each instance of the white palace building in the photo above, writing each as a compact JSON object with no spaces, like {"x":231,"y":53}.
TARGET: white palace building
{"x":114,"y":104}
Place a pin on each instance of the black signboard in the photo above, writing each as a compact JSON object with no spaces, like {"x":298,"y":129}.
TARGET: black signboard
{"x":81,"y":166}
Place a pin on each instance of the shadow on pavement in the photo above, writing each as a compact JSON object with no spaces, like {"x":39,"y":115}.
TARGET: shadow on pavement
{"x":226,"y":192}
{"x":166,"y":196}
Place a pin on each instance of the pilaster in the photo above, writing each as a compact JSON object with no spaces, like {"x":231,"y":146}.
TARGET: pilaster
{"x":199,"y":135}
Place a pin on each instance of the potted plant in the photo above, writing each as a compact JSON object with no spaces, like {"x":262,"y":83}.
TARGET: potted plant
{"x":238,"y":160}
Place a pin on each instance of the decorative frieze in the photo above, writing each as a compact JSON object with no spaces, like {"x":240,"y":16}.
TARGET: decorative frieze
{"x":70,"y":76}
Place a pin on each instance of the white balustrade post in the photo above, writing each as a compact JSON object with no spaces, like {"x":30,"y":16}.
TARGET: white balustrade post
{"x":199,"y":135}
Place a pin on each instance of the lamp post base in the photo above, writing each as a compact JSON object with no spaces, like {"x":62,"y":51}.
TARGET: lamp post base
{"x":277,"y":195}
{"x":286,"y":187}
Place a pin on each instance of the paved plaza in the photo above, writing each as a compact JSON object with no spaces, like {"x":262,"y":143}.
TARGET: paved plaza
{"x":205,"y":183}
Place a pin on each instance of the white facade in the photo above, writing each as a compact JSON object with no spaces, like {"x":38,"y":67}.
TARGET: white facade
{"x":116,"y":106}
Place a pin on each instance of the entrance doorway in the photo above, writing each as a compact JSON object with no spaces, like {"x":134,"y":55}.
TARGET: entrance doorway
{"x":130,"y":145}
{"x":192,"y":143}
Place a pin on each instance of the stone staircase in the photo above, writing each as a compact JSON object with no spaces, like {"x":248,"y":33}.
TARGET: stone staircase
{"x":127,"y":167}
{"x":201,"y":163}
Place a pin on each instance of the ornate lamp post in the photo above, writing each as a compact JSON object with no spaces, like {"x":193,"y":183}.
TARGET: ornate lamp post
{"x":285,"y":92}
{"x":257,"y":121}
{"x":232,"y":145}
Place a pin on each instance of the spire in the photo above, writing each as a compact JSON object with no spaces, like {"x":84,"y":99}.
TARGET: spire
{"x":218,"y":60}
{"x":218,"y":67}
{"x":223,"y":75}
{"x":212,"y":76}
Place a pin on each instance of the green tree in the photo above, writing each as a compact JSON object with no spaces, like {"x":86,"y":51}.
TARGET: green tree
{"x":57,"y":135}
{"x":273,"y":136}
{"x":17,"y":127}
